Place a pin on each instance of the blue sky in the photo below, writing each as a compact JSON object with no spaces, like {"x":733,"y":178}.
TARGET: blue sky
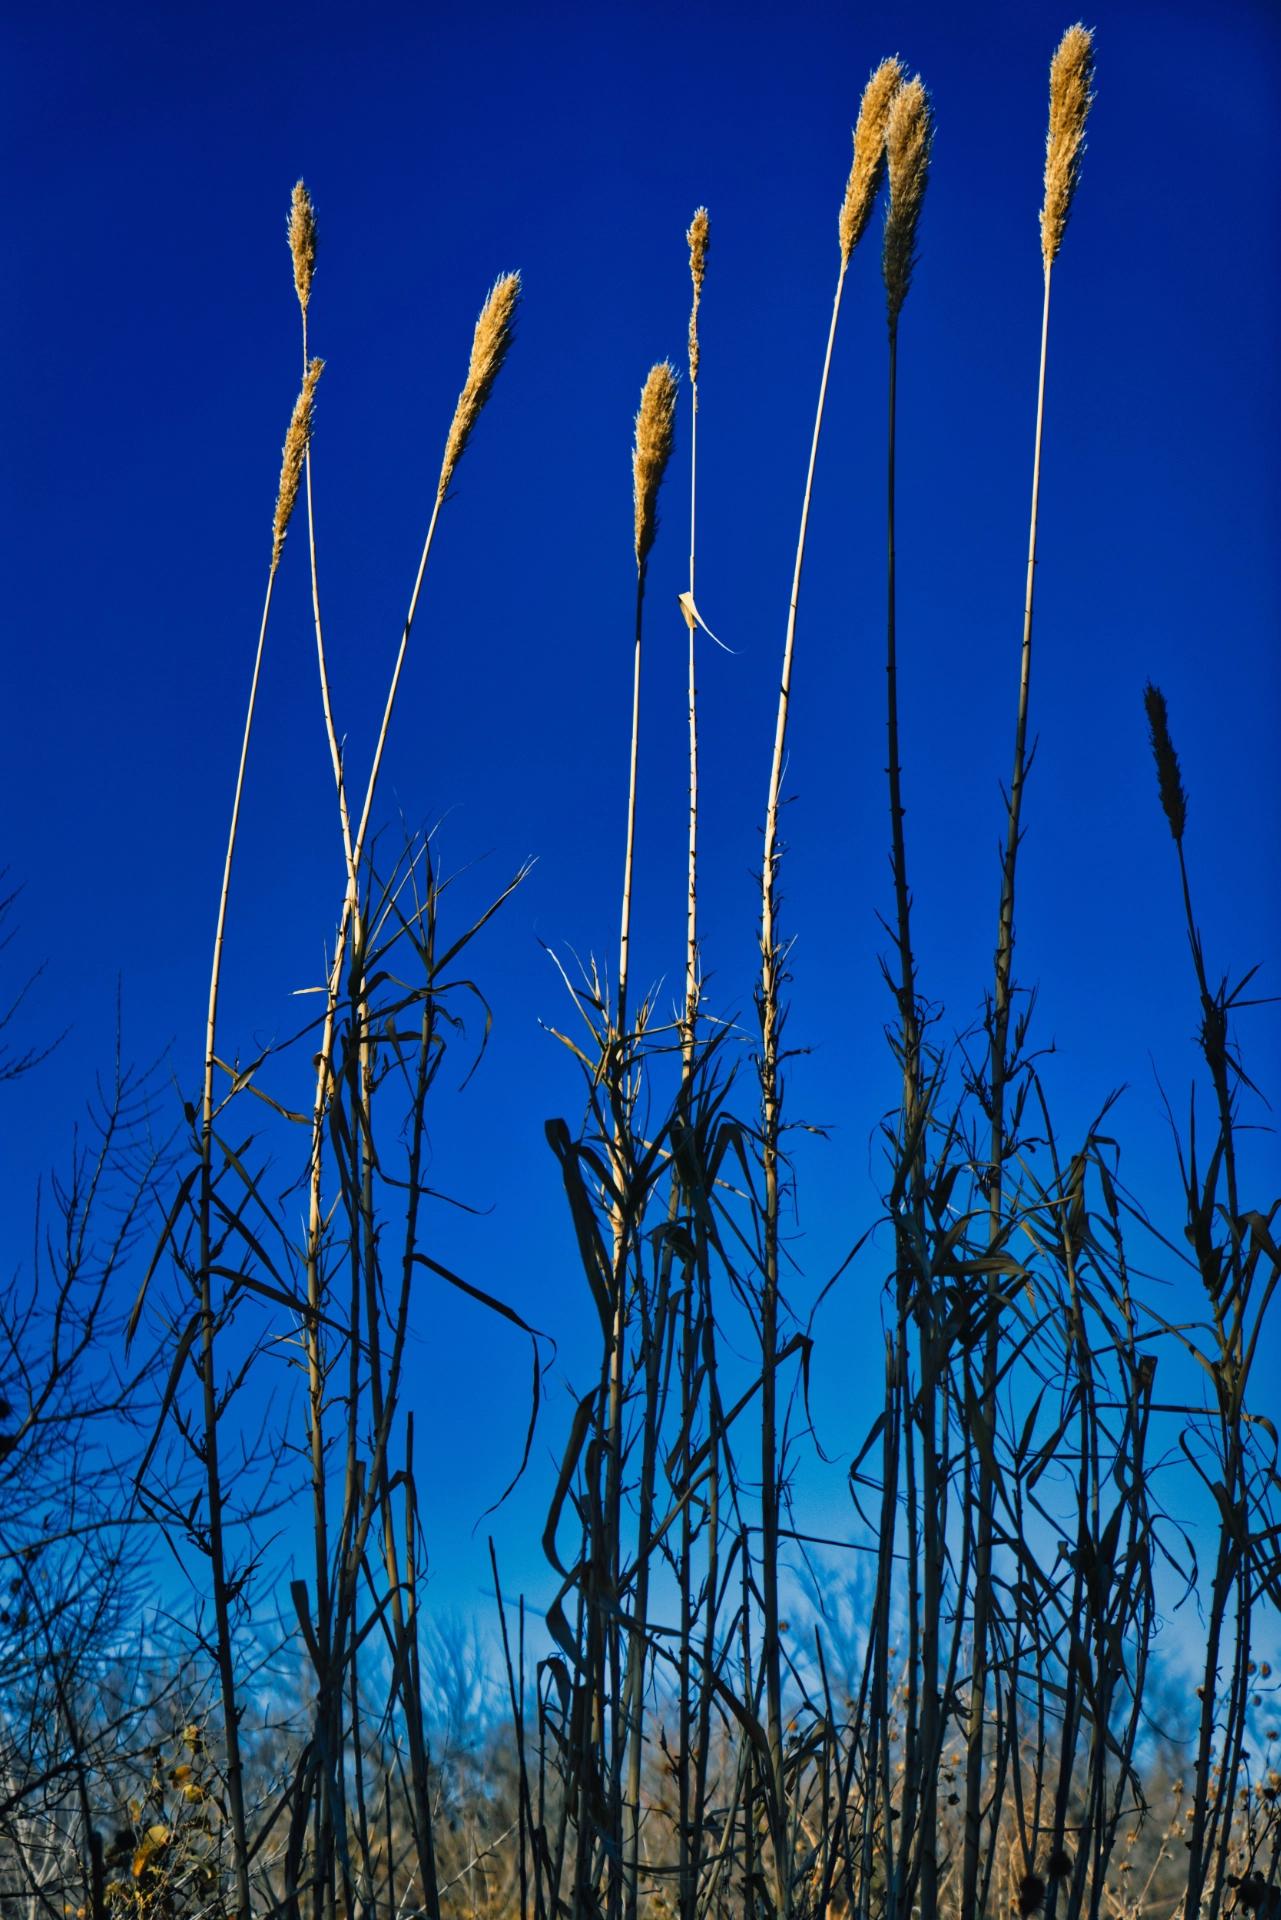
{"x":150,"y":358}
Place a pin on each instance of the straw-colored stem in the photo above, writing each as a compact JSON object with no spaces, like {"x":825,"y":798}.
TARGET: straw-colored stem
{"x":1005,"y":932}
{"x":998,"y":1079}
{"x":691,"y":917}
{"x":687,"y":1856}
{"x":629,"y":853}
{"x":316,"y":1370}
{"x":909,"y":1024}
{"x":613,"y":1435}
{"x":208,"y":1317}
{"x":914,"y":1299}
{"x":772,"y":962}
{"x":324,"y":1067}
{"x":350,"y":931}
{"x":367,"y":809}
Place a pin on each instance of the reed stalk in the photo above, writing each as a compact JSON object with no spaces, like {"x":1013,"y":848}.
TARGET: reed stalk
{"x":909,"y":140}
{"x":1071,"y":74}
{"x":688,"y":1823}
{"x":697,"y":240}
{"x":302,"y":237}
{"x":296,"y":441}
{"x":651,"y":451}
{"x":363,"y":1497}
{"x":860,"y":195}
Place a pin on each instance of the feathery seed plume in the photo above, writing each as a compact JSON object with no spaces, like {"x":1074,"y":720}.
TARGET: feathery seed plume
{"x":869,"y":154}
{"x":1071,"y":74}
{"x":490,"y":342}
{"x":697,"y":239}
{"x":1174,"y":801}
{"x":654,"y":423}
{"x":909,"y":137}
{"x":297,"y":441}
{"x":302,"y":241}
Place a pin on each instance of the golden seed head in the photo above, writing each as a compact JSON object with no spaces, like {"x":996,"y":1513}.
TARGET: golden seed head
{"x":1174,"y":801}
{"x":697,"y":238}
{"x":490,"y":342}
{"x":651,"y":452}
{"x":909,"y":137}
{"x":869,"y":154}
{"x":302,"y":241}
{"x":1071,"y":75}
{"x":297,"y":440}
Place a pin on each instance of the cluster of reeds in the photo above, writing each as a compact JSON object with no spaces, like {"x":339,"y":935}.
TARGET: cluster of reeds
{"x":991,"y":1745}
{"x":326,"y":1836}
{"x":983,"y":1740}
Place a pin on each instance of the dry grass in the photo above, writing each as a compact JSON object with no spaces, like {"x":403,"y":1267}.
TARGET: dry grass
{"x":490,"y":346}
{"x":1071,"y":95}
{"x":975,"y":1721}
{"x":302,"y":243}
{"x":909,"y":137}
{"x":651,"y":451}
{"x":297,"y":441}
{"x":868,"y":167}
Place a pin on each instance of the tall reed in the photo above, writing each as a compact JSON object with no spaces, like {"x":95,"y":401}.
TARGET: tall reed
{"x":974,"y":1725}
{"x":295,"y":448}
{"x":1239,"y":1269}
{"x":1071,"y":77}
{"x":864,"y":182}
{"x":909,"y":140}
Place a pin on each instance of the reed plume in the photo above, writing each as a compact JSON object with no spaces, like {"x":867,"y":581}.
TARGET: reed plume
{"x":1071,"y":74}
{"x":490,"y":342}
{"x":909,"y":136}
{"x":302,"y":242}
{"x":650,"y":453}
{"x":1174,"y":801}
{"x":869,"y":153}
{"x":697,"y":238}
{"x":297,"y":440}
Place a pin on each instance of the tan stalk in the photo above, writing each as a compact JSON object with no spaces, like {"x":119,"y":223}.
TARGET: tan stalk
{"x":909,"y":139}
{"x":651,"y":450}
{"x":302,"y":235}
{"x":687,"y":1866}
{"x":860,"y":196}
{"x":295,"y":447}
{"x":697,"y":239}
{"x":1071,"y":75}
{"x":908,"y":143}
{"x":490,"y":343}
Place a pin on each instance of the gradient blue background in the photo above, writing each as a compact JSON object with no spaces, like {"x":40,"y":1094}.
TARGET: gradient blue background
{"x":150,"y":359}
